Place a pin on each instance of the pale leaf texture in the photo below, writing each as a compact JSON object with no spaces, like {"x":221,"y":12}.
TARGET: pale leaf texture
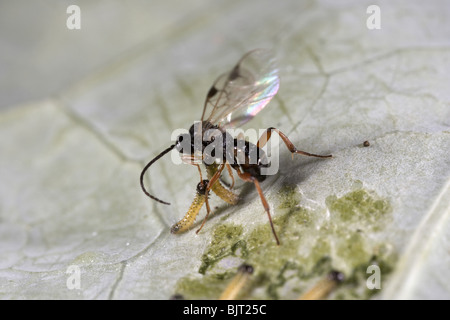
{"x":84,"y":110}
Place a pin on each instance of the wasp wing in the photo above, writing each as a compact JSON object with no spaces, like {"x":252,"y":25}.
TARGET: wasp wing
{"x":238,"y":95}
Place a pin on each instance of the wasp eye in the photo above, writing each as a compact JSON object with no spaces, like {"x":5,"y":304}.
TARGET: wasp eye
{"x":179,"y":144}
{"x":183,"y":144}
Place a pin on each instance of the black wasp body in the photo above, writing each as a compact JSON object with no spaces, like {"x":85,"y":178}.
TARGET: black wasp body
{"x":239,"y":154}
{"x":234,"y":99}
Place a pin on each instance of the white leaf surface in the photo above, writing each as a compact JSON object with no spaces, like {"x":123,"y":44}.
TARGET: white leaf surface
{"x":84,"y":110}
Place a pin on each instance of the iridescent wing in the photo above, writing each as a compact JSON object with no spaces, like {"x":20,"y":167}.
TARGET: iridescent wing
{"x":238,"y":95}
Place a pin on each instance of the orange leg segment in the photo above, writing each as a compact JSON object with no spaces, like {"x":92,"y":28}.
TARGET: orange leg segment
{"x":266,"y":136}
{"x":247,"y":177}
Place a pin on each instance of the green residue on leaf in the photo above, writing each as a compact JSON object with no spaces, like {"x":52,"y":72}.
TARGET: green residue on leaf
{"x":312,"y":245}
{"x":209,"y":286}
{"x":354,"y":250}
{"x":320,"y":251}
{"x":358,"y":205}
{"x":385,"y":258}
{"x":225,"y":242}
{"x":289,"y":197}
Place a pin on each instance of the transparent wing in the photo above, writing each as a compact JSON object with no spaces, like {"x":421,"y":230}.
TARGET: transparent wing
{"x":238,"y":95}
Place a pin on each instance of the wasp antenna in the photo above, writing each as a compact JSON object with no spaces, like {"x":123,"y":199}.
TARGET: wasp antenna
{"x":148,"y":166}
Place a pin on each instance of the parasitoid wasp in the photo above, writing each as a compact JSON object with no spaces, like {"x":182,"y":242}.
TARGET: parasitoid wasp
{"x":233,"y":100}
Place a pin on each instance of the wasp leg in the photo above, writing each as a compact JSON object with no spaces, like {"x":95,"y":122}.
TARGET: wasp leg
{"x":237,"y":283}
{"x":323,"y":288}
{"x":211,"y":182}
{"x":230,"y":172}
{"x":266,"y":136}
{"x":188,"y":220}
{"x":224,"y":193}
{"x":192,"y":160}
{"x":247,"y":177}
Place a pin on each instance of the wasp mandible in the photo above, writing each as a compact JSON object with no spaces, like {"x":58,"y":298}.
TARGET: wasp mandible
{"x":233,"y":100}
